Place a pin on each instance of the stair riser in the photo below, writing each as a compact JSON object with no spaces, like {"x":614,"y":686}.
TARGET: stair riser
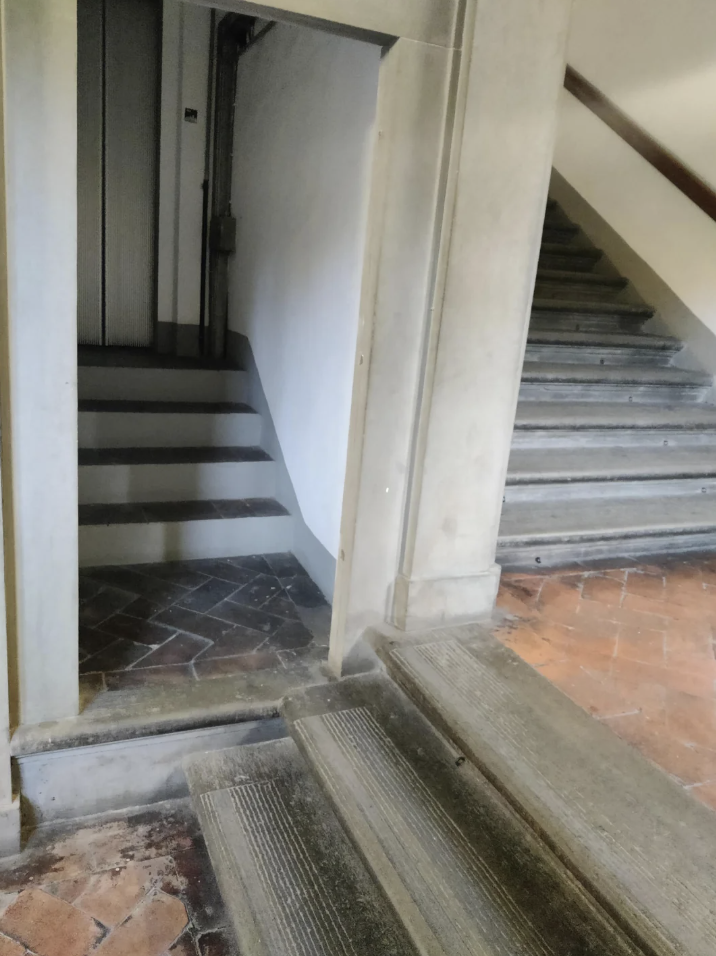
{"x":183,"y":540}
{"x":588,"y":291}
{"x":570,"y":263}
{"x":594,"y":355}
{"x":564,"y":322}
{"x":117,"y":484}
{"x":167,"y":430}
{"x":636,"y":394}
{"x":533,"y":557}
{"x":612,"y":438}
{"x":619,"y":488}
{"x":161,"y":384}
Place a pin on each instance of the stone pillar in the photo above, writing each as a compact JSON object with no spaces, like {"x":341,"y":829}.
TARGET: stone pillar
{"x":512,"y":73}
{"x":38,"y":361}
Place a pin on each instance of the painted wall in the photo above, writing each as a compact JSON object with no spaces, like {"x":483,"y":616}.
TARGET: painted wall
{"x":39,"y":357}
{"x":656,"y":60}
{"x":185,"y":76}
{"x":304,"y":118}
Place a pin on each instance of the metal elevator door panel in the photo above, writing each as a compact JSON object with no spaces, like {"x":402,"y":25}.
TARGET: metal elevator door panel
{"x":90,"y":25}
{"x":119,"y":76}
{"x":132,"y":107}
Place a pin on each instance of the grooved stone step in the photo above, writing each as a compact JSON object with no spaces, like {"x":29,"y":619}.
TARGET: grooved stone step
{"x":644,"y":845}
{"x":169,"y":456}
{"x":609,"y":375}
{"x":615,"y":415}
{"x":146,"y":512}
{"x":582,"y":519}
{"x":559,"y":233}
{"x":464,"y":874}
{"x":580,"y":307}
{"x":558,"y":256}
{"x":532,"y":466}
{"x":569,"y":278}
{"x":625,"y":340}
{"x":291,"y":882}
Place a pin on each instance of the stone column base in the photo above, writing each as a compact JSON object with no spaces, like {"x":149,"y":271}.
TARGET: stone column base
{"x":420,"y":605}
{"x":10,"y":828}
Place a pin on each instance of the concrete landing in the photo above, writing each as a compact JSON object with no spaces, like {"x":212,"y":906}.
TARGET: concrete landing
{"x":643,"y":845}
{"x":291,"y":882}
{"x":465,"y":875}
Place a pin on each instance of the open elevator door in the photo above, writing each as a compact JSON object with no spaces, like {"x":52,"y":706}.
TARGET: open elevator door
{"x":118,"y":119}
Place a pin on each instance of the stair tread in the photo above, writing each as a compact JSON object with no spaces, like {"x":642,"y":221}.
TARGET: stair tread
{"x":290,"y":879}
{"x":589,"y":307}
{"x":612,"y":374}
{"x":626,"y":340}
{"x":535,"y":465}
{"x":588,"y":278}
{"x":616,"y":415}
{"x":556,"y":248}
{"x":122,"y":405}
{"x":652,"y":859}
{"x":177,"y":511}
{"x":584,"y":519}
{"x":463,"y":872}
{"x":170,"y":456}
{"x":101,"y":356}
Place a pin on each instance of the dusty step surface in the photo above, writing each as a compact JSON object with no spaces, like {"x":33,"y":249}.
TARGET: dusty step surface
{"x":464,"y":874}
{"x":530,"y":466}
{"x":615,"y":415}
{"x":582,"y":307}
{"x":644,"y":845}
{"x":558,"y":256}
{"x":625,"y":340}
{"x":291,"y":882}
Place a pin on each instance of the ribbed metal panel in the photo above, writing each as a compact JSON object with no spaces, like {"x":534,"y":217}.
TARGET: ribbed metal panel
{"x":132,"y":101}
{"x":89,"y":171}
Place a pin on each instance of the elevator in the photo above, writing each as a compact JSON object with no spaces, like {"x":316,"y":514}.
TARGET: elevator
{"x":118,"y":119}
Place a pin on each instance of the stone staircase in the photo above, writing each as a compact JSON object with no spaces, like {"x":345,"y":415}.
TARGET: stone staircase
{"x":170,"y":463}
{"x":614,"y":448}
{"x":475,"y":812}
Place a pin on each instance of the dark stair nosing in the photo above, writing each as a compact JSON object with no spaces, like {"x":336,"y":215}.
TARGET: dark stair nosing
{"x":290,"y":880}
{"x":463,"y":872}
{"x":557,"y":249}
{"x":634,"y":837}
{"x":162,"y":408}
{"x":171,"y":456}
{"x":160,"y":512}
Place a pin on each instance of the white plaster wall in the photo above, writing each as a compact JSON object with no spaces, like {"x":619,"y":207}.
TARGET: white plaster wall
{"x":39,"y":370}
{"x":657,"y":61}
{"x":304,"y":119}
{"x":185,"y":76}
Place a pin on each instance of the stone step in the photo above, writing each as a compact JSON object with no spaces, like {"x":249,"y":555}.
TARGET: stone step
{"x":567,"y":284}
{"x":576,"y":465}
{"x":600,"y":349}
{"x":574,"y":382}
{"x":559,"y":233}
{"x":291,"y":882}
{"x":156,"y":531}
{"x":554,"y":532}
{"x":464,"y":874}
{"x":124,"y":475}
{"x":147,"y":424}
{"x":593,"y":418}
{"x":575,"y":259}
{"x":640,"y":842}
{"x":585,"y":316}
{"x":186,"y":383}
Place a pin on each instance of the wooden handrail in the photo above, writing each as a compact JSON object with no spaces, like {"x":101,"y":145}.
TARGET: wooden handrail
{"x":667,"y":164}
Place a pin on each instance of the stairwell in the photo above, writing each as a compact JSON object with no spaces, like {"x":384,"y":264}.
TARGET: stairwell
{"x":170,"y":463}
{"x":614,"y":447}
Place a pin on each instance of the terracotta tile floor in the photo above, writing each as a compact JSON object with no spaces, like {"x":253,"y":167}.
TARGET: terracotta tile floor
{"x":125,"y":884}
{"x":634,"y":646}
{"x":193,"y":620}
